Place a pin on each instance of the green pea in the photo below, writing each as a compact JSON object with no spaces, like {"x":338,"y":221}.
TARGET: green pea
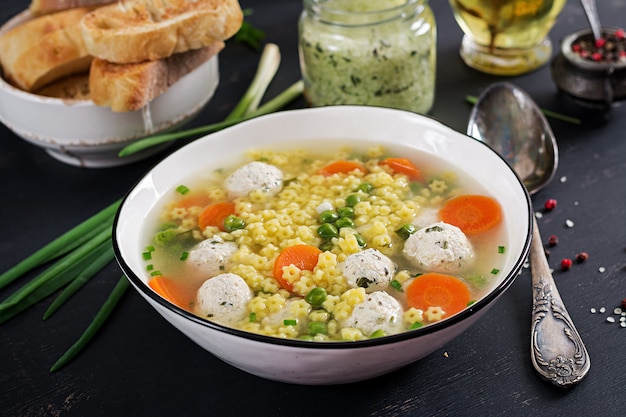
{"x":328,"y":216}
{"x":316,"y":297}
{"x":233,"y":222}
{"x":327,"y":231}
{"x":346,"y":212}
{"x":360,"y":240}
{"x":344,"y":222}
{"x":316,"y":327}
{"x":326,"y":246}
{"x":366,"y":187}
{"x":405,"y":231}
{"x":352,"y":200}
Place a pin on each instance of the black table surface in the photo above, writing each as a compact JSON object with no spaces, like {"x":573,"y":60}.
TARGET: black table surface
{"x":140,"y":365}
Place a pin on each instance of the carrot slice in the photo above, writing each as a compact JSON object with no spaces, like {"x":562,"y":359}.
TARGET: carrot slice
{"x":172,"y":291}
{"x":403,"y":166}
{"x":215,"y":214}
{"x":304,"y":257}
{"x":342,"y":167}
{"x":473,"y":214}
{"x":438,"y":290}
{"x":194,"y":200}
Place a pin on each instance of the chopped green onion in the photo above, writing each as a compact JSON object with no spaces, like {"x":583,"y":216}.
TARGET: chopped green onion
{"x":494,"y":271}
{"x":182,"y":189}
{"x":146,"y":256}
{"x":378,"y":333}
{"x":155,"y":273}
{"x":149,"y":267}
{"x":150,"y":248}
{"x":290,"y":322}
{"x":471,"y":302}
{"x":232,"y":223}
{"x":252,"y":317}
{"x":416,"y":325}
{"x":184,"y":256}
{"x":396,"y":285}
{"x":500,"y":249}
{"x":405,"y":231}
{"x":104,"y":312}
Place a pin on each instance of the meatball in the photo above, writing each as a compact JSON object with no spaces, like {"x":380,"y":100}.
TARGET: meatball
{"x":209,"y":258}
{"x":368,"y":269}
{"x":224,"y":298}
{"x":254,"y":176}
{"x":440,"y":247}
{"x":379,"y":311}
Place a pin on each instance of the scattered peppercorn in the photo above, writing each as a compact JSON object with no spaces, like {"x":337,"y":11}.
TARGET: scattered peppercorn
{"x":582,"y":257}
{"x":553,"y":240}
{"x":550,"y":204}
{"x":611,"y":47}
{"x":566,"y":264}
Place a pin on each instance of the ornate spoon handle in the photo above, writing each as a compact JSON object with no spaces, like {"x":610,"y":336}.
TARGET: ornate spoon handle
{"x":557,"y":350}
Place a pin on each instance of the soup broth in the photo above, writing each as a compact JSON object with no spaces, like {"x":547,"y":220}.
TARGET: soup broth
{"x":336,"y":204}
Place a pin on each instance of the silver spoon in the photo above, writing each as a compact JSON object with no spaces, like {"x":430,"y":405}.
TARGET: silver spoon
{"x":592,"y":15}
{"x":508,"y":120}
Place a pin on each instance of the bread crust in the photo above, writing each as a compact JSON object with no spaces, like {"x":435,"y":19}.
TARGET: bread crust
{"x":44,"y":49}
{"x":131,"y":31}
{"x":129,"y":87}
{"x":41,"y":7}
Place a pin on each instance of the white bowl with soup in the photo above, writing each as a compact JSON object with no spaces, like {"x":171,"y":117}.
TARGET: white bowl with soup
{"x":326,"y":245}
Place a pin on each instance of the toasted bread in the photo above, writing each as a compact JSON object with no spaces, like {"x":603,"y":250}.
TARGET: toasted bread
{"x":129,"y":87}
{"x":57,"y":55}
{"x":40,"y":7}
{"x":74,"y":87}
{"x":19,"y":46}
{"x":131,"y":31}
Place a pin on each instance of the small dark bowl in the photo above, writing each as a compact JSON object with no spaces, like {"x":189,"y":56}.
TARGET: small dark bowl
{"x":593,"y":85}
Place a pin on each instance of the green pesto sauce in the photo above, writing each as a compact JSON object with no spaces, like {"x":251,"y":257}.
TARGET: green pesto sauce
{"x":388,"y":64}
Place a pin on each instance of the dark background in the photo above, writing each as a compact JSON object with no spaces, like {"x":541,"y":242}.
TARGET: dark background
{"x":139,"y":365}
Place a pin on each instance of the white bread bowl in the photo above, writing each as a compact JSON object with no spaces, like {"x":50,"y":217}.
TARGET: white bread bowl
{"x":80,"y":133}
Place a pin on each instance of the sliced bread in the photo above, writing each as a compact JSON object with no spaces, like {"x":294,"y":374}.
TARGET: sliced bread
{"x":131,"y":31}
{"x":129,"y":87}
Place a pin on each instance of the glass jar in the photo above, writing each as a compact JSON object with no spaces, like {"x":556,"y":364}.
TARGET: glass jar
{"x":368,"y":52}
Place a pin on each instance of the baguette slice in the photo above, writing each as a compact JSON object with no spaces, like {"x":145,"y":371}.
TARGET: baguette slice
{"x":25,"y":36}
{"x":129,"y":87}
{"x":40,"y":7}
{"x":74,"y":87}
{"x":132,"y":31}
{"x":44,"y":49}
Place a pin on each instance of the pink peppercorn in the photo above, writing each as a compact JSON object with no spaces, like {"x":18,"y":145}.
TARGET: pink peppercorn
{"x":582,"y":257}
{"x":550,"y":204}
{"x":553,"y":240}
{"x":620,"y":34}
{"x":566,"y":264}
{"x":600,"y":42}
{"x":596,"y":56}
